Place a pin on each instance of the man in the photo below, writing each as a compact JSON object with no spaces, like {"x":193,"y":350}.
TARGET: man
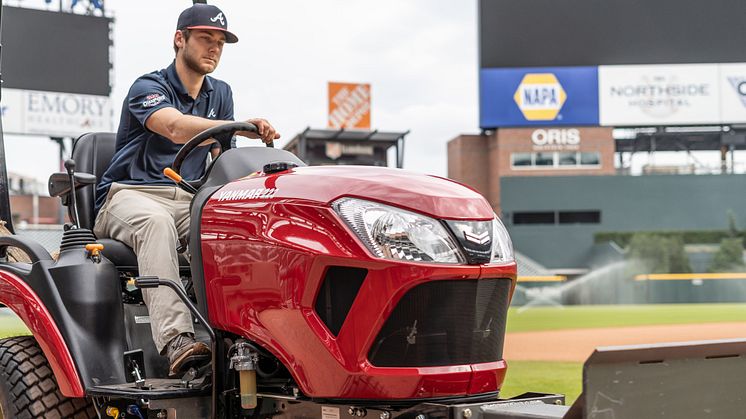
{"x":136,"y":203}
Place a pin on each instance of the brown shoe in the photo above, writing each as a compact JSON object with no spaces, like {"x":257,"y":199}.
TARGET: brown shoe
{"x":184,"y":352}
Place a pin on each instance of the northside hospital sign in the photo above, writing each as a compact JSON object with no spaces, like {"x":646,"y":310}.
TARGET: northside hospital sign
{"x":619,"y":95}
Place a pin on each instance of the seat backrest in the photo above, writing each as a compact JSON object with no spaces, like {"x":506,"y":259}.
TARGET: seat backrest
{"x":92,"y":153}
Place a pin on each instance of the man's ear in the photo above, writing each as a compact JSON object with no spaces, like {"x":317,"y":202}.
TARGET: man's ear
{"x":179,"y":39}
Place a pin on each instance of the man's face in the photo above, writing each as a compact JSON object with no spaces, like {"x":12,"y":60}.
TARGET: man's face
{"x":202,"y":51}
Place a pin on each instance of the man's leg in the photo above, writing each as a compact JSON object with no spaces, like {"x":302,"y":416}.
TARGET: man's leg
{"x":145,"y":218}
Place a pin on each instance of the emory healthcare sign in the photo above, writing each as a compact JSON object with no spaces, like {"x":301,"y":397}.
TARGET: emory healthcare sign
{"x":349,"y":105}
{"x":54,"y":114}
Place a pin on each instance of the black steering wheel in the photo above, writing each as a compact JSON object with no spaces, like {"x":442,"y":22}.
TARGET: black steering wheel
{"x":223,"y":134}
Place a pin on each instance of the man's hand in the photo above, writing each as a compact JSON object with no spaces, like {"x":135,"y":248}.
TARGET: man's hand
{"x":265,"y":130}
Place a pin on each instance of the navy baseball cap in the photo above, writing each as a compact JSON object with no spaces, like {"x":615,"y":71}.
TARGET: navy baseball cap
{"x":205,"y":16}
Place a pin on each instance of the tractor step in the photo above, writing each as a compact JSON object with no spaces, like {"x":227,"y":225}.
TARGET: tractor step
{"x":154,"y":389}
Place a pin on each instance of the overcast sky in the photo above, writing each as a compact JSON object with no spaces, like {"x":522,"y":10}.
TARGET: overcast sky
{"x":420,"y":57}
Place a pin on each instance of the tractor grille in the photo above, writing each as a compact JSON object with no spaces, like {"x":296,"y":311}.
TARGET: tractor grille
{"x":338,"y":291}
{"x":453,"y":322}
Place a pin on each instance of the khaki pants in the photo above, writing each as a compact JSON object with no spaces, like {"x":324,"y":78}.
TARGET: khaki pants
{"x":151,"y":220}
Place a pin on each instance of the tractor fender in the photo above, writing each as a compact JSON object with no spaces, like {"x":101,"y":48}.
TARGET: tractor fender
{"x":24,"y":302}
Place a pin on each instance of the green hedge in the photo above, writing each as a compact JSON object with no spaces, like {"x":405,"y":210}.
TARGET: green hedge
{"x":689,"y":237}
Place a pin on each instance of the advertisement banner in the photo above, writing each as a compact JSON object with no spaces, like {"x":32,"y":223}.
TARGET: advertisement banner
{"x":54,"y":114}
{"x":733,"y":93}
{"x":538,"y":96}
{"x":684,"y":94}
{"x":11,"y":111}
{"x":349,"y":105}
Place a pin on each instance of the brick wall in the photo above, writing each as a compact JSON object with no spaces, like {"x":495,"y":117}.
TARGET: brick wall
{"x":22,"y":208}
{"x":468,"y":161}
{"x":482,"y":160}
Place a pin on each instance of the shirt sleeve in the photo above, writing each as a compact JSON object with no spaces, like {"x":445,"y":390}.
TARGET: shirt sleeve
{"x":147,"y":96}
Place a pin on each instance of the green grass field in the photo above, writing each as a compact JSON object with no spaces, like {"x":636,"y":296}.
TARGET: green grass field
{"x":565,"y":377}
{"x":543,"y":377}
{"x":10,"y":325}
{"x":580,"y":317}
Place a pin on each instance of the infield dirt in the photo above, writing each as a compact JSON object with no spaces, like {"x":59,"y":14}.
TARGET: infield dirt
{"x":577,"y":344}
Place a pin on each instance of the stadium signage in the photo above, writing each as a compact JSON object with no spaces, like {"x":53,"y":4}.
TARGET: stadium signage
{"x":733,"y":93}
{"x":349,"y":105}
{"x":538,"y":96}
{"x":614,"y":95}
{"x":658,"y":94}
{"x":335,"y":150}
{"x":55,"y":114}
{"x":555,"y":139}
{"x":66,"y":104}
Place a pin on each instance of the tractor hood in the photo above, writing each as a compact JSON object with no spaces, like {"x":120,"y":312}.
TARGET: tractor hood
{"x":430,"y":195}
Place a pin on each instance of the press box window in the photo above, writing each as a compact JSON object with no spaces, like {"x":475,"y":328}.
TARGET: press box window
{"x":544,"y":159}
{"x":590,"y":159}
{"x":580,"y":217}
{"x":534,"y":217}
{"x":560,"y":159}
{"x":522,"y":159}
{"x":556,"y":217}
{"x":568,"y":159}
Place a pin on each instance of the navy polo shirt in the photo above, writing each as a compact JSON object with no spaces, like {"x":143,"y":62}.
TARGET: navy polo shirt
{"x":141,"y":155}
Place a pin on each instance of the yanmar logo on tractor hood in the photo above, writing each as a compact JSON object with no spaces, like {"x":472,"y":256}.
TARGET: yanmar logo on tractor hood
{"x":242,"y":194}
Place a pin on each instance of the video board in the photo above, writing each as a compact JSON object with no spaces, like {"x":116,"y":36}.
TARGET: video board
{"x":56,"y":70}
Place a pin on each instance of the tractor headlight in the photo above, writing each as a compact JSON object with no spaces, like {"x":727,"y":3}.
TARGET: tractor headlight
{"x":502,"y":247}
{"x":397,"y":234}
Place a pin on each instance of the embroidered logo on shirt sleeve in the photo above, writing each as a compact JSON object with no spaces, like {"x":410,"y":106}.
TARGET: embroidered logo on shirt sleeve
{"x":153,"y":99}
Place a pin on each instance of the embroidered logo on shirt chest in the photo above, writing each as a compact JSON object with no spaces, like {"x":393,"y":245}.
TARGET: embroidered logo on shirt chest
{"x":212,"y":114}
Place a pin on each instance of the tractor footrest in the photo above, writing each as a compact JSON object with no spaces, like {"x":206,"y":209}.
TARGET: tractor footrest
{"x":154,"y":389}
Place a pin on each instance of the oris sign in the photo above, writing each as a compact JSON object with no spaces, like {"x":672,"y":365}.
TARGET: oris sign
{"x":555,"y":139}
{"x":55,"y":114}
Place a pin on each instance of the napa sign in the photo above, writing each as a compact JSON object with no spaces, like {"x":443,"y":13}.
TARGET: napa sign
{"x":538,"y":96}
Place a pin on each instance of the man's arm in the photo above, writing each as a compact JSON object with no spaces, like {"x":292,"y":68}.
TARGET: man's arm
{"x":180,"y":128}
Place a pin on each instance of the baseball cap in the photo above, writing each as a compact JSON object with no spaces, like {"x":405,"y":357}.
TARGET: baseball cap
{"x":205,"y":16}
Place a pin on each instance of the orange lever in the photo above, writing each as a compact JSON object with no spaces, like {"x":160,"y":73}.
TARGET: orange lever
{"x":94,"y":248}
{"x":171,"y":174}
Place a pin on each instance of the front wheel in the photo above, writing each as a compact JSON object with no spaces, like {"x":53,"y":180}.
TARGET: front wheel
{"x":28,"y":389}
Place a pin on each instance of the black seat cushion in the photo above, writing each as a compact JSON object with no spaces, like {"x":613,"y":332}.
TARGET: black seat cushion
{"x":124,"y":258}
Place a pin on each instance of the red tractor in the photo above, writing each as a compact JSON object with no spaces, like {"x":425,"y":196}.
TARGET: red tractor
{"x":324,"y":292}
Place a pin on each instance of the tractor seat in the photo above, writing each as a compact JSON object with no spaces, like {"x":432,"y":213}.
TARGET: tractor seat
{"x":92,"y":153}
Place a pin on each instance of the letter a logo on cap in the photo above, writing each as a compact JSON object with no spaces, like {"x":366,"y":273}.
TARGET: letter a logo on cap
{"x":218,"y":17}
